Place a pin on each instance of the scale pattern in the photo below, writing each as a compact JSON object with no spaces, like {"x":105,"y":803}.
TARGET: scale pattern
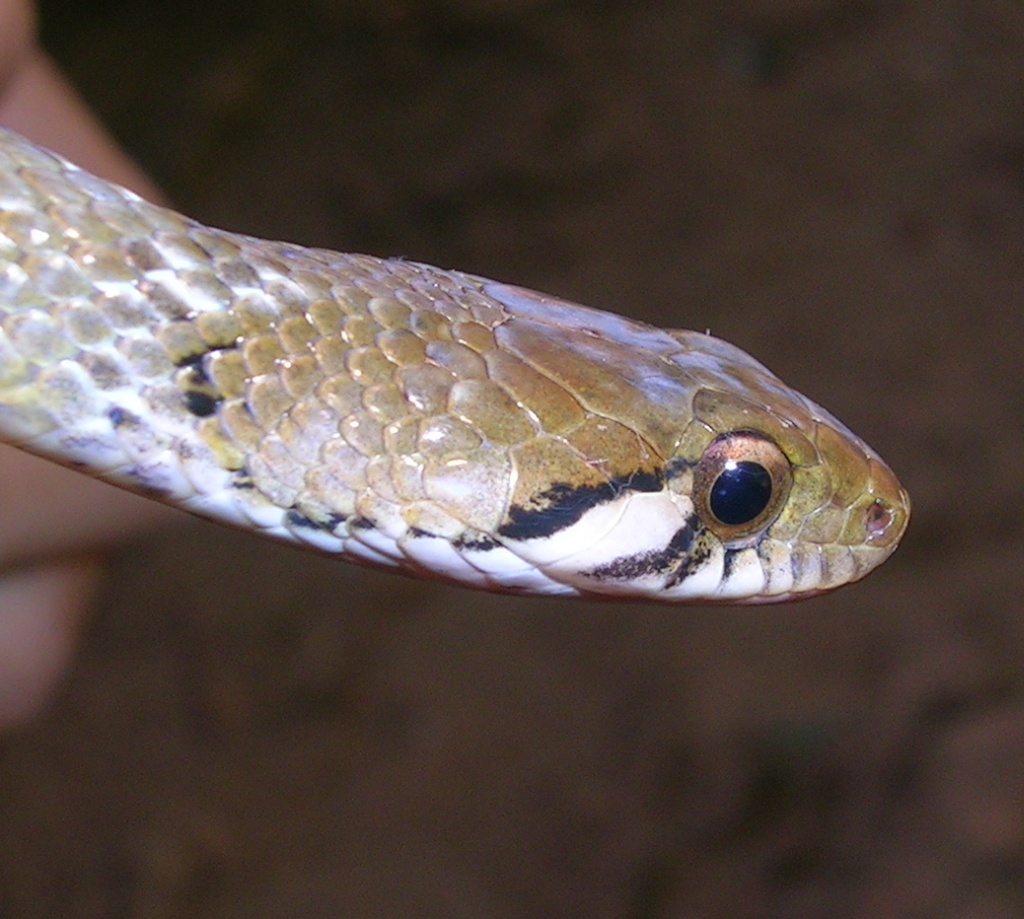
{"x":410,"y":417}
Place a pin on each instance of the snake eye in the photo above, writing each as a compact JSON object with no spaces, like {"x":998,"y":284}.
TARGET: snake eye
{"x":740,"y":485}
{"x":741,"y":491}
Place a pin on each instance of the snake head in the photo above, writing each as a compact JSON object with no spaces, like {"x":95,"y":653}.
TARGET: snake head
{"x":721,"y":484}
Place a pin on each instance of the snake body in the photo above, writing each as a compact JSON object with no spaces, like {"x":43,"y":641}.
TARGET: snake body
{"x":405,"y":416}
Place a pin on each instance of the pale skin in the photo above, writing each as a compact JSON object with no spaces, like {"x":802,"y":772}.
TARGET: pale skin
{"x":54,"y":524}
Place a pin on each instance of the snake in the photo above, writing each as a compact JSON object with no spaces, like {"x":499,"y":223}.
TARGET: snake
{"x":407,"y":417}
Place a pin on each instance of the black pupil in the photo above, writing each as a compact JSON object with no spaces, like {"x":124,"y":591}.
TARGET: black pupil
{"x":741,"y":492}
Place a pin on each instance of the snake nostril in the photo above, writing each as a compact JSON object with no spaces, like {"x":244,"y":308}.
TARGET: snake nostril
{"x":878,"y":518}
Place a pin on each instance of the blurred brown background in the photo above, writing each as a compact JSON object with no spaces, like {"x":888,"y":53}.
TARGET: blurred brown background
{"x":838,"y":187}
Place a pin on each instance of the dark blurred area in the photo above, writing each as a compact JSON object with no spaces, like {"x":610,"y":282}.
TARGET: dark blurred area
{"x":837,"y":187}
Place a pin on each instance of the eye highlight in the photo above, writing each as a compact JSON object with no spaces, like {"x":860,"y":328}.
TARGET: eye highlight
{"x":740,"y":485}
